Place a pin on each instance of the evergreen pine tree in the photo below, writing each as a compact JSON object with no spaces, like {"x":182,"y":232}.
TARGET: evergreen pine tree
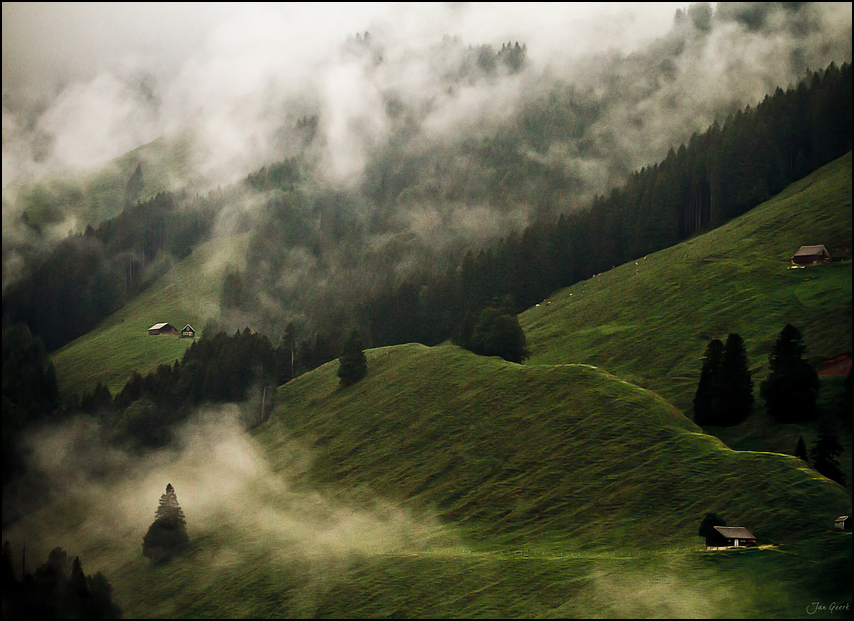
{"x":801,"y":450}
{"x":708,"y":390}
{"x":352,"y":365}
{"x":735,"y":400}
{"x":167,"y":535}
{"x":824,"y":453}
{"x":791,"y":389}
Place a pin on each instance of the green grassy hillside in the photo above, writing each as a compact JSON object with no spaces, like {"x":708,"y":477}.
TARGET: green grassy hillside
{"x":92,"y":197}
{"x":120,"y":345}
{"x":447,"y":484}
{"x":650,"y":320}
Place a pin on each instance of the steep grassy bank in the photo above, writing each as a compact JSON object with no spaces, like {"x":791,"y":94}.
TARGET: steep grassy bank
{"x":120,"y":345}
{"x":447,"y":484}
{"x":650,"y":320}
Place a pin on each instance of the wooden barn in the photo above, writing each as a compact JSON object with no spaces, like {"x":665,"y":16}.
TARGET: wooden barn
{"x":188,"y":332}
{"x":729,"y":537}
{"x":811,"y":255}
{"x":162,"y":328}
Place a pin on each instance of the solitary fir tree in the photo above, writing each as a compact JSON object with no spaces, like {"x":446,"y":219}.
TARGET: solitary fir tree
{"x":791,"y":390}
{"x":167,"y":535}
{"x":824,"y":454}
{"x":801,"y":450}
{"x":706,"y":397}
{"x":736,"y":398}
{"x":352,"y":365}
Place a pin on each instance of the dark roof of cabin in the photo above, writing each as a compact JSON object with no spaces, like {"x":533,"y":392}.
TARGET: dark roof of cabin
{"x":808,"y":251}
{"x":734,"y":532}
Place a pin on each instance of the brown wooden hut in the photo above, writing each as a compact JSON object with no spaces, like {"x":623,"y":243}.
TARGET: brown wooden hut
{"x":729,"y":537}
{"x":188,"y":332}
{"x":162,"y":328}
{"x":843,"y":522}
{"x":811,"y":255}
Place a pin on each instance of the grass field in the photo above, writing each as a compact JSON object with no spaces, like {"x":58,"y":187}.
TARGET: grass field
{"x":448,"y":485}
{"x":120,"y":345}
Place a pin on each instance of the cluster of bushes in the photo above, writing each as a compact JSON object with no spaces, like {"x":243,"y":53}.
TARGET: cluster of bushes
{"x":495,"y":333}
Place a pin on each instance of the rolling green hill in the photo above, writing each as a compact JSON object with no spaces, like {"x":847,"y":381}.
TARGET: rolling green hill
{"x":649,"y":321}
{"x":447,"y":484}
{"x":92,"y":197}
{"x":120,"y":345}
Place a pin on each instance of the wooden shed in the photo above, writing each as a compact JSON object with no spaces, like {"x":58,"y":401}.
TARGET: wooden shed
{"x":188,"y":331}
{"x":162,"y":328}
{"x":811,"y":255}
{"x":843,"y":522}
{"x":730,"y":537}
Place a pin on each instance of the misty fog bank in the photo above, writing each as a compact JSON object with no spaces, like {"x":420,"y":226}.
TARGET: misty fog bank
{"x":234,"y":498}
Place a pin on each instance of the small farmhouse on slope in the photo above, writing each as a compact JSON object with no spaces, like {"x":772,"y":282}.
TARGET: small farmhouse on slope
{"x":729,"y":537}
{"x":811,"y":255}
{"x":162,"y":328}
{"x":188,"y":332}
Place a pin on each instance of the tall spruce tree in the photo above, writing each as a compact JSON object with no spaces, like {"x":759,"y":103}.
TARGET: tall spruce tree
{"x":824,"y":453}
{"x":801,"y":450}
{"x":735,"y":400}
{"x":352,"y":365}
{"x":724,"y":395}
{"x":708,"y":390}
{"x":791,"y":389}
{"x":167,"y":535}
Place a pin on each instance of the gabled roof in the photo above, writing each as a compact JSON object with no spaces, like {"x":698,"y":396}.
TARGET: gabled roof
{"x":189,"y":326}
{"x":734,"y":532}
{"x":810,"y":251}
{"x":158,"y":326}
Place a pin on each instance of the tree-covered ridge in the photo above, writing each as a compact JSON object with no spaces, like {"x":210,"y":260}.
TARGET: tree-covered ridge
{"x":90,"y":275}
{"x":717,"y":175}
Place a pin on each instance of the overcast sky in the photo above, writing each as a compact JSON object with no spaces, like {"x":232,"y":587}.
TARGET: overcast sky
{"x":68,"y":41}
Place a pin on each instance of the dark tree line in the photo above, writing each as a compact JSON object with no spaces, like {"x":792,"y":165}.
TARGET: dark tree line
{"x":216,"y":368}
{"x":724,"y":395}
{"x":57,"y":590}
{"x":30,"y":391}
{"x":718,"y":175}
{"x":90,"y":275}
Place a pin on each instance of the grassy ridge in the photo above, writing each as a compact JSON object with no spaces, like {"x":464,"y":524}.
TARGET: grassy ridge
{"x":650,"y":320}
{"x":120,"y":345}
{"x":92,"y":197}
{"x":549,"y":491}
{"x":537,"y":452}
{"x":560,"y":487}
